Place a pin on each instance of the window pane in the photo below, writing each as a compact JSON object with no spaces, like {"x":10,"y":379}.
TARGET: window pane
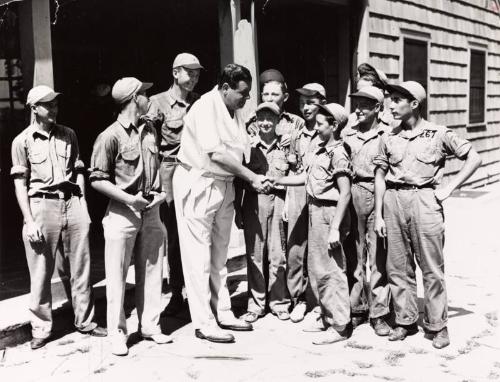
{"x":476,"y":86}
{"x":415,"y":64}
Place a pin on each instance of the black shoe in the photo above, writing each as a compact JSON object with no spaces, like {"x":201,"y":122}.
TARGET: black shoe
{"x":236,"y":324}
{"x":175,"y":305}
{"x":401,"y":332}
{"x":358,"y":319}
{"x":37,"y":343}
{"x":381,"y":327}
{"x":216,"y":335}
{"x":96,"y":332}
{"x":441,"y":339}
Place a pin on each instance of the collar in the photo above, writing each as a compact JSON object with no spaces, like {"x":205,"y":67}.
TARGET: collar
{"x":259,"y":142}
{"x":328,"y":147}
{"x":42,"y":133}
{"x":125,"y":122}
{"x":172,"y":99}
{"x":416,"y":131}
{"x":305,"y":131}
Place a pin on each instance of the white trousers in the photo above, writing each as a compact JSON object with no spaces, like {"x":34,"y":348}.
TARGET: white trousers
{"x":204,"y":209}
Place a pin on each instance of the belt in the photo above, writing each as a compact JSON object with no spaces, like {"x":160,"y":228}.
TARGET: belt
{"x":58,"y":195}
{"x":321,"y":202}
{"x":402,"y":186}
{"x":208,"y":174}
{"x":362,"y":180}
{"x":170,"y":160}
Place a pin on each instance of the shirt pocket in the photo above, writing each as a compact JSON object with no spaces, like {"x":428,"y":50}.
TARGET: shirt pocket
{"x":129,"y":156}
{"x":427,"y":159}
{"x":41,"y":168}
{"x":396,"y":153}
{"x":320,"y":168}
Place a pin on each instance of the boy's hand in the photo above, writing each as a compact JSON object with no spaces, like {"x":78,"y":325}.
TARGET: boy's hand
{"x":380,"y":227}
{"x":34,"y":233}
{"x":334,"y":238}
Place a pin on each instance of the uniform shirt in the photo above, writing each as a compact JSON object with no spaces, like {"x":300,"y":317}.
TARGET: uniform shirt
{"x":288,"y":123}
{"x":299,"y":146}
{"x":127,"y":156}
{"x":323,"y":163}
{"x":172,"y":111}
{"x":363,"y":147}
{"x":268,"y":160}
{"x":50,"y":161}
{"x":417,"y":157}
{"x":209,"y":128}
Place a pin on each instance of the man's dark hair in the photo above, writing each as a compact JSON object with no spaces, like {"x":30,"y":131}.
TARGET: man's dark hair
{"x":232,"y":74}
{"x":367,"y":73}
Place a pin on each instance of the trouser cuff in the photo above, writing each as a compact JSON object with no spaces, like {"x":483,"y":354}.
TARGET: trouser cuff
{"x":87,"y":328}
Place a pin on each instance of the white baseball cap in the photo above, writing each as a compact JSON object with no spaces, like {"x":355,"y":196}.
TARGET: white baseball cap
{"x":269,"y":106}
{"x":411,"y":88}
{"x":312,"y":89}
{"x":41,"y":93}
{"x":370,"y":92}
{"x":336,"y":111}
{"x":187,"y":60}
{"x":125,"y":88}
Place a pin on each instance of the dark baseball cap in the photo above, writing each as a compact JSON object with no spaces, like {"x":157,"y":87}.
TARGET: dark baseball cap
{"x":271,"y":75}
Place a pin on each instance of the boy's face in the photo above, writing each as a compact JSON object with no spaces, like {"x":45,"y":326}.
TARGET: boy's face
{"x":46,"y":111}
{"x":366,"y":109}
{"x":325,"y":130}
{"x":401,"y":106}
{"x":309,"y":106}
{"x":186,"y":78}
{"x":273,"y":92}
{"x":266,"y":121}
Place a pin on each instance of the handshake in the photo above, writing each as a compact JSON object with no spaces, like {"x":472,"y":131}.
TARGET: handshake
{"x":264,"y":183}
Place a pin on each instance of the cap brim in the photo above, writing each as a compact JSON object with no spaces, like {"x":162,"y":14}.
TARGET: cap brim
{"x":267,"y":108}
{"x":362,"y":94}
{"x":192,"y":66}
{"x":325,"y":109}
{"x":399,"y":89}
{"x":49,"y":97}
{"x":145,"y":86}
{"x":309,"y":92}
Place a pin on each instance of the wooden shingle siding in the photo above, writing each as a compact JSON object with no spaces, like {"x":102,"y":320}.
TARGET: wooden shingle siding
{"x":453,"y":27}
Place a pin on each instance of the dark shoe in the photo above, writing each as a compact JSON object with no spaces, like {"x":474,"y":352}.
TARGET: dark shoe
{"x":236,"y":325}
{"x":398,"y":334}
{"x":441,"y":339}
{"x":358,"y":319}
{"x":331,"y":336}
{"x":175,"y":305}
{"x":37,"y":343}
{"x":381,"y":327}
{"x":214,"y":335}
{"x":96,"y":332}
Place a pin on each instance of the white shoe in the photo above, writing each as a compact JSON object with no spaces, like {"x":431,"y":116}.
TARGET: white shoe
{"x":159,"y":338}
{"x":119,"y":344}
{"x":298,"y":312}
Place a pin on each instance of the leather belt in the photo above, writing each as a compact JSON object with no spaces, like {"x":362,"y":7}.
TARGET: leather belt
{"x":57,"y":195}
{"x":402,"y":186}
{"x":170,"y":160}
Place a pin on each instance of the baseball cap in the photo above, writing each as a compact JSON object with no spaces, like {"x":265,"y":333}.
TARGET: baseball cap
{"x":41,"y":93}
{"x":187,"y":60}
{"x":312,"y":89}
{"x":125,"y":88}
{"x":367,"y":68}
{"x":336,"y":111}
{"x":370,"y":92}
{"x":271,"y":75}
{"x":411,"y":88}
{"x":269,"y":106}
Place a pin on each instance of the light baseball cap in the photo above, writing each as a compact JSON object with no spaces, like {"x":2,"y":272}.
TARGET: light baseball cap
{"x":41,"y":93}
{"x":268,"y":106}
{"x":125,"y":88}
{"x":411,"y":88}
{"x":187,"y":60}
{"x":336,"y":111}
{"x":271,"y":75}
{"x":312,"y":89}
{"x":370,"y":92}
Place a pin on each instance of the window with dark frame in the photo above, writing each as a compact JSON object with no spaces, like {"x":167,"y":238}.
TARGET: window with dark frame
{"x":477,"y":86}
{"x":415,"y":64}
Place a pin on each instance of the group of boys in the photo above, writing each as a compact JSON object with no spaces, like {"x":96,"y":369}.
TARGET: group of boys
{"x":303,"y":186}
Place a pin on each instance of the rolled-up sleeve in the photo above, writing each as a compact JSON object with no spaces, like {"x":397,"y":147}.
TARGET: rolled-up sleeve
{"x":455,"y":145}
{"x":102,"y":162}
{"x":75,"y":153}
{"x":381,"y":159}
{"x":341,"y":164}
{"x":20,"y":165}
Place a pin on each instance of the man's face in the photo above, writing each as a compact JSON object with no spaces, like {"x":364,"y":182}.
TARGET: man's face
{"x":401,"y":107}
{"x":235,"y":99}
{"x":323,"y":127}
{"x":366,"y":109}
{"x":266,"y":121}
{"x":46,"y":111}
{"x":309,"y":106}
{"x":142,"y":102}
{"x":273,"y":92}
{"x":186,"y":78}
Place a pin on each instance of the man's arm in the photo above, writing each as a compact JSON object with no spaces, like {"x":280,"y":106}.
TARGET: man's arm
{"x":237,"y":169}
{"x":472,"y":162}
{"x":113,"y":192}
{"x":238,"y":198}
{"x":33,"y":231}
{"x":380,"y":187}
{"x":292,"y":180}
{"x":344,"y":185}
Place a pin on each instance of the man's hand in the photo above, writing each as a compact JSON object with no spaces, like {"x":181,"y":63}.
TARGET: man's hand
{"x":159,"y":198}
{"x":238,"y":218}
{"x":138,"y":202}
{"x":34,"y":233}
{"x":442,"y":194}
{"x":380,"y":227}
{"x":334,"y":238}
{"x":259,"y":183}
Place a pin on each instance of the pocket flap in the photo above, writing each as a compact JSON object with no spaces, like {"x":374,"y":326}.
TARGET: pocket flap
{"x":130,"y":154}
